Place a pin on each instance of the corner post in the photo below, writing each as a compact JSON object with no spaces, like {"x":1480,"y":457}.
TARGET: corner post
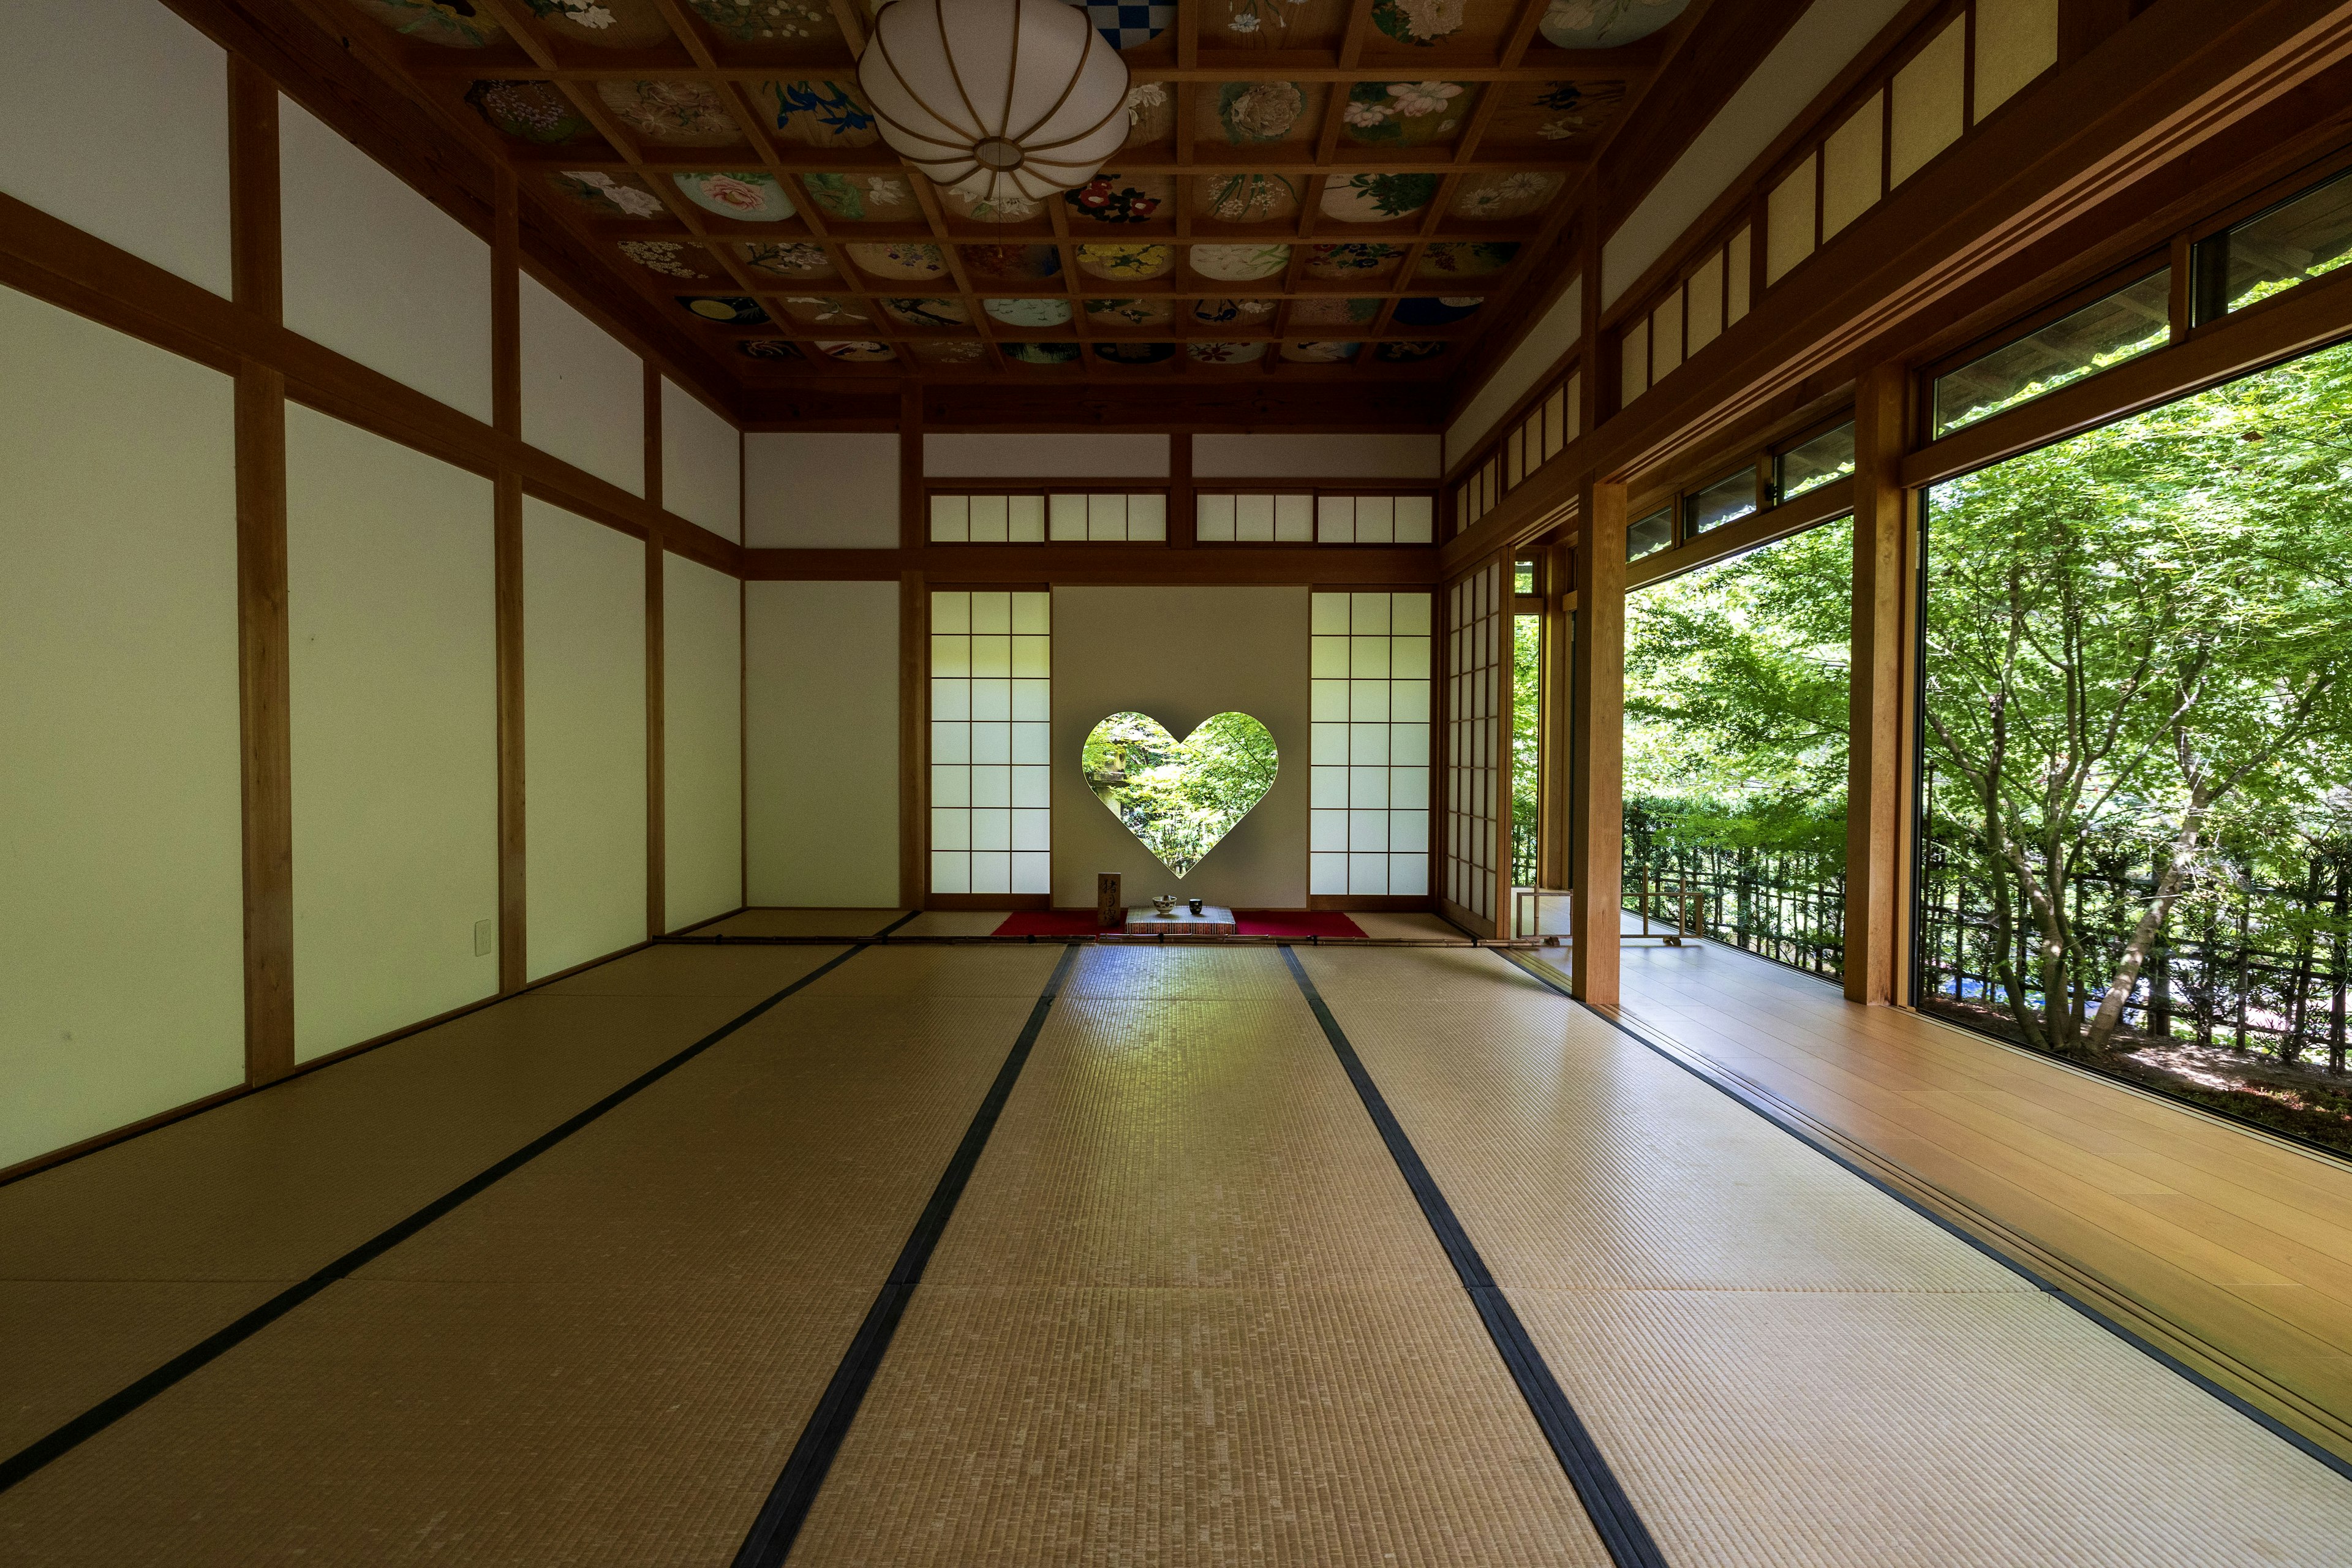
{"x":1596,"y":807}
{"x":1877,"y":735}
{"x":506,"y":418}
{"x":914,"y":632}
{"x":657,"y":716}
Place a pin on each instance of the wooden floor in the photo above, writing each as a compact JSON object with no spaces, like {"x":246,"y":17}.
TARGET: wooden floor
{"x":1188,"y":1310}
{"x":2231,"y":1249}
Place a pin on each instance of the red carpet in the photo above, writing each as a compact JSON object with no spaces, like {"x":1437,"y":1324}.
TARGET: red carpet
{"x":1300,"y":924}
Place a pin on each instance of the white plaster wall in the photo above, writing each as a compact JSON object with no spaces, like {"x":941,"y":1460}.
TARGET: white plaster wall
{"x":702,"y":742}
{"x":1109,"y":460}
{"x":830,"y":491}
{"x":1249,"y":654}
{"x":821,"y":743}
{"x":1379,"y":457}
{"x":1554,"y":333}
{"x":1823,"y":42}
{"x":121,"y":903}
{"x":379,"y":274}
{"x":583,"y":392}
{"x":117,"y":123}
{"x":584,"y":617}
{"x":702,"y":463}
{"x":392,"y":628}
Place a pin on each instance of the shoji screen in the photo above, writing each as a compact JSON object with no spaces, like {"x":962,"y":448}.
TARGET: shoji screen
{"x":991,"y":667}
{"x":1370,"y":826}
{"x":1475,"y":622}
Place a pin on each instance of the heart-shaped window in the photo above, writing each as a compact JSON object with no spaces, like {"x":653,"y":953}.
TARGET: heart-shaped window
{"x":1180,"y":798}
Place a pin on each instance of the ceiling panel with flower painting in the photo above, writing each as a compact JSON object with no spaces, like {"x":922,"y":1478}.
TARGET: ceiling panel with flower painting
{"x":1310,"y":190}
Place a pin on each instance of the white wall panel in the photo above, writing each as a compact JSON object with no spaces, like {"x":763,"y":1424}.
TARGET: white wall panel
{"x":702,"y":463}
{"x":1822,"y":43}
{"x":1542,"y":348}
{"x":117,"y":123}
{"x":1111,"y":460}
{"x":583,"y":392}
{"x":377,"y":273}
{"x":821,"y":743}
{"x":394,"y":634}
{"x":583,"y":591}
{"x":702,"y":742}
{"x":121,"y":903}
{"x":1383,"y":457}
{"x":827,"y":490}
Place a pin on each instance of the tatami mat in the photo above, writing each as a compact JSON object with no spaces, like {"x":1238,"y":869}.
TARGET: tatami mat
{"x":603,"y":1358}
{"x":1784,"y":1365}
{"x":800,"y":922}
{"x":953,"y":922}
{"x":1188,"y":1312}
{"x":682,"y":970}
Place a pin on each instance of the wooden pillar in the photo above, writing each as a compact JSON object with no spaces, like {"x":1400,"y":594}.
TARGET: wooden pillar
{"x":1183,"y":516}
{"x":1596,"y":805}
{"x":914,"y":636}
{"x":1878,"y":738}
{"x":264,"y":694}
{"x":657,"y":811}
{"x":506,"y":418}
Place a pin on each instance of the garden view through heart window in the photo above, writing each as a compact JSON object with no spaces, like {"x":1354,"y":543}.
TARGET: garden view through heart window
{"x":1180,"y":798}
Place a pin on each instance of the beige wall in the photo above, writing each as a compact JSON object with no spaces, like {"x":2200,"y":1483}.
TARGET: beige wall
{"x":1393,"y":456}
{"x":392,"y":630}
{"x":821,"y":743}
{"x":702,"y":742}
{"x":121,"y":909}
{"x":583,"y":392}
{"x":1108,"y":461}
{"x":117,"y":123}
{"x":702,"y":463}
{"x":583,"y":618}
{"x":375,"y":272}
{"x":1242,"y":649}
{"x":832,"y":490}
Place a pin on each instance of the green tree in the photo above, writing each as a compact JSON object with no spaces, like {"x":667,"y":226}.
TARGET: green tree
{"x":2135,"y":640}
{"x":1180,"y":798}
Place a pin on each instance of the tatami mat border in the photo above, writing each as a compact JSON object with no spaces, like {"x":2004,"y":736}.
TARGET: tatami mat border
{"x":1852,"y":1156}
{"x":779,"y":1518}
{"x":1615,"y":1518}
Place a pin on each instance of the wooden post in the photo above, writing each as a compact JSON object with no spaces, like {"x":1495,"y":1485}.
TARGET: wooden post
{"x":914,"y":647}
{"x":1183,"y":515}
{"x":656,"y":811}
{"x":506,"y":418}
{"x":264,"y":658}
{"x":1877,"y":740}
{"x":1596,"y":803}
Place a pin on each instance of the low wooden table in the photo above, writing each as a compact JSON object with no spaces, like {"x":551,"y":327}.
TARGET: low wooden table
{"x":1143,"y":919}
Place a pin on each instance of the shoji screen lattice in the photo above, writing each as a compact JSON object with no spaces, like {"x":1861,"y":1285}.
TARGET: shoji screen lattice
{"x":991,"y":668}
{"x":1369,"y":828}
{"x":1475,"y":621}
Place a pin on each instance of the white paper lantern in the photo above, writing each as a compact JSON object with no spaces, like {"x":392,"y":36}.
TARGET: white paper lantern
{"x":1000,"y":98}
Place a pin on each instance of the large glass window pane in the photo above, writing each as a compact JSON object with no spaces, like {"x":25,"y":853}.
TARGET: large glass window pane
{"x":1650,"y":535}
{"x":1733,"y":496}
{"x":2134,"y":838}
{"x":2127,"y":323}
{"x":1808,"y":465}
{"x":2299,"y":238}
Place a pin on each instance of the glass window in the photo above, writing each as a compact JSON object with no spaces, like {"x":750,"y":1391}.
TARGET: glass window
{"x":1732,"y":496}
{"x":1370,"y":756}
{"x":992,"y":820}
{"x":1523,"y":577}
{"x":1651,"y":534}
{"x":2127,"y":323}
{"x":1810,"y":465}
{"x":2301,"y":237}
